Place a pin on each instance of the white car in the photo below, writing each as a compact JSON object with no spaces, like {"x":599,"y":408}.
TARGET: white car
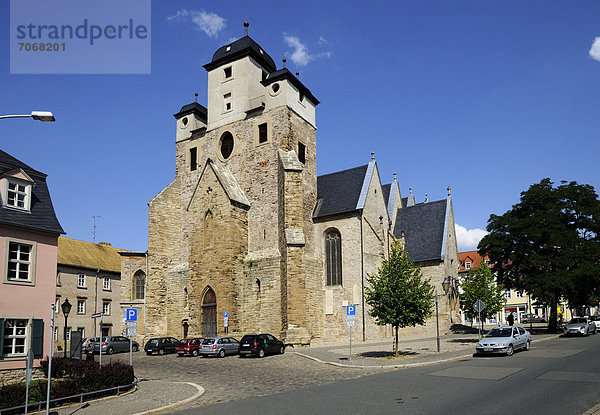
{"x":580,"y":326}
{"x":596,"y":321}
{"x":505,"y":339}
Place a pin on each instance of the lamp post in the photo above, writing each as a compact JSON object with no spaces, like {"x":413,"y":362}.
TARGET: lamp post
{"x":36,"y":115}
{"x":66,"y":309}
{"x":446,"y":287}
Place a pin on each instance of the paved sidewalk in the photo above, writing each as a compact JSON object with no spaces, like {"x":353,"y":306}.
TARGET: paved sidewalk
{"x":150,"y":397}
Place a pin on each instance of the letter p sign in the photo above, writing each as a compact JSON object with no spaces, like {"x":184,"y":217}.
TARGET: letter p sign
{"x":131,"y":314}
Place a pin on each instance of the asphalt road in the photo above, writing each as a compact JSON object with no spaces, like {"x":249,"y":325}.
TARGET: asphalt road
{"x":559,"y":376}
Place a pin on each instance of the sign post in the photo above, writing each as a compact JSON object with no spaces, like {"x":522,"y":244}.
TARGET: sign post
{"x":350,"y":320}
{"x":226,"y":321}
{"x":479,"y":306}
{"x":95,"y":316}
{"x":50,"y":358}
{"x":131,"y":326}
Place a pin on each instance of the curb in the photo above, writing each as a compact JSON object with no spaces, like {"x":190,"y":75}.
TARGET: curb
{"x":176,"y":404}
{"x":593,"y":411}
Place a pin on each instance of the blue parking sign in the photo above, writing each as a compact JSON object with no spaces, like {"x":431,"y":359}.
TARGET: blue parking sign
{"x":131,"y":314}
{"x":225,"y":314}
{"x":351,"y":310}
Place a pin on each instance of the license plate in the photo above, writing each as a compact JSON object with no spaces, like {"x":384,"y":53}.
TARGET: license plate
{"x":487,"y":349}
{"x":245,"y":345}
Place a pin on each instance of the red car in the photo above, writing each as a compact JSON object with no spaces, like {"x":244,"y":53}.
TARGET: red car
{"x":189,"y":346}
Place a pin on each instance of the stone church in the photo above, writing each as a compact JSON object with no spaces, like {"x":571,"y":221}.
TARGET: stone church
{"x":246,"y":227}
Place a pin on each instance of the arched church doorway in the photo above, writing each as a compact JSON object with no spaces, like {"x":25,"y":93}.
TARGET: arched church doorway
{"x":209,"y":314}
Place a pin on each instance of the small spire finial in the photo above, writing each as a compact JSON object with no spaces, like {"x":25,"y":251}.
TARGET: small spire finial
{"x":448,"y":190}
{"x":297,"y":74}
{"x":426,"y":198}
{"x":410,"y":190}
{"x":372,"y":156}
{"x":284,"y":62}
{"x":246,"y":24}
{"x":196,"y":95}
{"x":394,"y":176}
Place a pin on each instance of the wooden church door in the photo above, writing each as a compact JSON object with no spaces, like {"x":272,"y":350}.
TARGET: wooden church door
{"x":209,"y":314}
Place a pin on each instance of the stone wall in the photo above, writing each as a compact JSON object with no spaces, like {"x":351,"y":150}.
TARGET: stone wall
{"x":131,"y":263}
{"x":11,"y":376}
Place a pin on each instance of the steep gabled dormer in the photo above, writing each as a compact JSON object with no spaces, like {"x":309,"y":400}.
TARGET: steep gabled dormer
{"x":16,"y":189}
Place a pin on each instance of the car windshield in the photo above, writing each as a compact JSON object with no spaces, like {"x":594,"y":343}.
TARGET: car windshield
{"x":247,"y":339}
{"x":500,"y":332}
{"x":184,"y":341}
{"x":577,"y":320}
{"x":595,"y":318}
{"x":153,"y":341}
{"x":208,"y":341}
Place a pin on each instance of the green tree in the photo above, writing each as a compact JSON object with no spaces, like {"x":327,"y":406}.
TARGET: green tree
{"x":398,"y":294}
{"x":480,"y":284}
{"x":549,"y":245}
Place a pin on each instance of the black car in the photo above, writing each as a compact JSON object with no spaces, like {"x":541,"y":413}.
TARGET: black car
{"x":260,"y":345}
{"x":161,"y":345}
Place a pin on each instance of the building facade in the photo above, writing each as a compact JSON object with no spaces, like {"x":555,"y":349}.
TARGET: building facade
{"x":246,"y":227}
{"x":29,"y":232}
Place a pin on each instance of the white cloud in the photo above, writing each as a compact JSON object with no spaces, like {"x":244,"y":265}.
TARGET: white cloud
{"x":468,"y":239}
{"x":209,"y":23}
{"x":595,"y":50}
{"x":300,"y":55}
{"x":322,"y":40}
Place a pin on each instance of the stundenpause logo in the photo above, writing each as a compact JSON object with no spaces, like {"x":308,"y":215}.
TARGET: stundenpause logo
{"x":80,"y":36}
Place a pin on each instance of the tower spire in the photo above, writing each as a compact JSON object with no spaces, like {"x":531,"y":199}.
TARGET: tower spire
{"x":246,"y":24}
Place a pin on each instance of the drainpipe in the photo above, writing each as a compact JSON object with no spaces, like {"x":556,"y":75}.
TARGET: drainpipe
{"x":145,"y":289}
{"x":362,"y":276}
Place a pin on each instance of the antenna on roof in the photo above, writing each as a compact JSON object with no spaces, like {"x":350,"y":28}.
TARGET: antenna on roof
{"x":246,"y":24}
{"x":284,"y":62}
{"x":94,"y":231}
{"x":196,"y":95}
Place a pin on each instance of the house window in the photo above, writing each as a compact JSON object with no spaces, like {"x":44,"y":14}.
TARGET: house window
{"x":506,"y":293}
{"x":301,"y":153}
{"x":55,"y":333}
{"x":106,"y":308}
{"x":193,"y":159}
{"x":333,"y":257}
{"x":227,"y":102}
{"x":467,"y":265}
{"x":106,"y":284}
{"x":227,"y":72}
{"x":519,"y":294}
{"x":57,"y":305}
{"x":20,"y":262}
{"x":17,"y":195}
{"x":139,"y":281}
{"x":80,"y":306}
{"x":81,"y":281}
{"x":68,"y":334}
{"x":262,"y":133}
{"x":15,"y":337}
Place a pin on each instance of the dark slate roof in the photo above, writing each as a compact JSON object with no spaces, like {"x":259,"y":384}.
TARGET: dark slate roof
{"x":238,"y":49}
{"x":386,"y":193}
{"x":339,"y":192}
{"x":404,"y":201}
{"x":41,"y":217}
{"x":286,"y":74}
{"x":193,"y":108}
{"x":423,"y":226}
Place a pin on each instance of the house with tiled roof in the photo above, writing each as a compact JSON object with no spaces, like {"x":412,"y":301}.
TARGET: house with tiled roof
{"x":89,"y":277}
{"x":29,"y":231}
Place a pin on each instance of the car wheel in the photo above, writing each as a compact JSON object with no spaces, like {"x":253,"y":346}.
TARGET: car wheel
{"x":261,"y":353}
{"x":110,"y":350}
{"x":510,"y":350}
{"x":134,"y":348}
{"x":241,"y":356}
{"x":281,"y":350}
{"x":528,"y":345}
{"x":194,"y":352}
{"x":161,"y":352}
{"x":222,"y":353}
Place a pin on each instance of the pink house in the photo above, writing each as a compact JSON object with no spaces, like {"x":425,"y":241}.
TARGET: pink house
{"x":29,"y":233}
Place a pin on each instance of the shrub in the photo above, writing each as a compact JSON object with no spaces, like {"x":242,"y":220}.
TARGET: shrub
{"x":12,"y":395}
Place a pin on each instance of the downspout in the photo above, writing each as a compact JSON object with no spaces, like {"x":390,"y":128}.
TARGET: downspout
{"x":145,"y":292}
{"x":362,"y":276}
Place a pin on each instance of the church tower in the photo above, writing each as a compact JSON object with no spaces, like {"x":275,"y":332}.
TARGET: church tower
{"x":241,"y":238}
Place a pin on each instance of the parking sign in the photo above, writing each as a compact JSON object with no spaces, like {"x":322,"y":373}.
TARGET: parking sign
{"x":131,"y":314}
{"x":351,"y":310}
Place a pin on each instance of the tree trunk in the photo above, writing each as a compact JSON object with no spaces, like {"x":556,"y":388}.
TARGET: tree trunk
{"x":396,"y":342}
{"x":552,"y":323}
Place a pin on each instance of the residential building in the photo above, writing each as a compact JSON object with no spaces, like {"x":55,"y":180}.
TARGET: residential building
{"x":29,"y":232}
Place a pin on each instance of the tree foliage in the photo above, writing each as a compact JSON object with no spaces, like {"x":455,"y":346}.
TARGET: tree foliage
{"x":548,"y":244}
{"x":480,"y":284}
{"x":398,"y":295}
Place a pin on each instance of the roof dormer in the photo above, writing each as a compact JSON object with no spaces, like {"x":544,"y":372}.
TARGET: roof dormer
{"x":15,"y":189}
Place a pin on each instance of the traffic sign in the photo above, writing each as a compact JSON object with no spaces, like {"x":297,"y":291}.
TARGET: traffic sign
{"x":351,"y":310}
{"x":131,"y":314}
{"x":350,"y":322}
{"x":131,"y":331}
{"x":479,"y":306}
{"x":96,"y":315}
{"x":131,"y":324}
{"x":225,"y":314}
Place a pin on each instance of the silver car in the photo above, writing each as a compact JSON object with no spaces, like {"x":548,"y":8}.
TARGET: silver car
{"x":112,"y":344}
{"x":596,"y":321}
{"x":219,"y":346}
{"x":580,"y":326}
{"x":504,"y":340}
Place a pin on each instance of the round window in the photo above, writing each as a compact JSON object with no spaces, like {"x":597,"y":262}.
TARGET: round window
{"x":184,"y":121}
{"x":226,"y":145}
{"x":275,"y":88}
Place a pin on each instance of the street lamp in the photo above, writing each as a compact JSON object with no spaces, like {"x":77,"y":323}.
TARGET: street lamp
{"x":36,"y":115}
{"x":446,"y":287}
{"x":66,"y":309}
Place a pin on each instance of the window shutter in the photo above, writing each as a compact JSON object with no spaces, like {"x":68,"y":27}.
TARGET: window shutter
{"x":1,"y":336}
{"x":37,"y":338}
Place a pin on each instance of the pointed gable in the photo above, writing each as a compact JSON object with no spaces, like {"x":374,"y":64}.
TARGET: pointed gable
{"x":227,"y":180}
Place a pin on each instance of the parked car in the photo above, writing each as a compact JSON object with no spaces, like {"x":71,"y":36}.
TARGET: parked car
{"x":219,"y":346}
{"x":532,"y":318}
{"x":504,"y":340}
{"x":581,"y":326}
{"x":260,"y":345}
{"x":188,"y":346}
{"x":112,"y":344}
{"x":596,"y":321}
{"x":161,"y":345}
{"x":87,"y":343}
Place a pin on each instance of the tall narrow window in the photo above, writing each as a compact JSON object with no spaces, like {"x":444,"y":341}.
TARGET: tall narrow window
{"x":81,"y":306}
{"x":333,"y":257}
{"x":15,"y":337}
{"x":227,"y":72}
{"x":227,"y":102}
{"x":262,"y":133}
{"x":193,"y":158}
{"x":19,"y":262}
{"x":139,"y":281}
{"x":301,"y":153}
{"x":106,"y":284}
{"x":81,"y":280}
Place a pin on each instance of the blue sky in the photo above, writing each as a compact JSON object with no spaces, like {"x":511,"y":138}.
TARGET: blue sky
{"x":486,"y":97}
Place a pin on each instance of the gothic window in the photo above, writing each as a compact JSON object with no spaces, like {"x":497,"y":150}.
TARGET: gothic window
{"x":193,"y":158}
{"x":226,"y":145}
{"x":262,"y":133}
{"x":333,"y":257}
{"x":139,"y":283}
{"x":301,"y":153}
